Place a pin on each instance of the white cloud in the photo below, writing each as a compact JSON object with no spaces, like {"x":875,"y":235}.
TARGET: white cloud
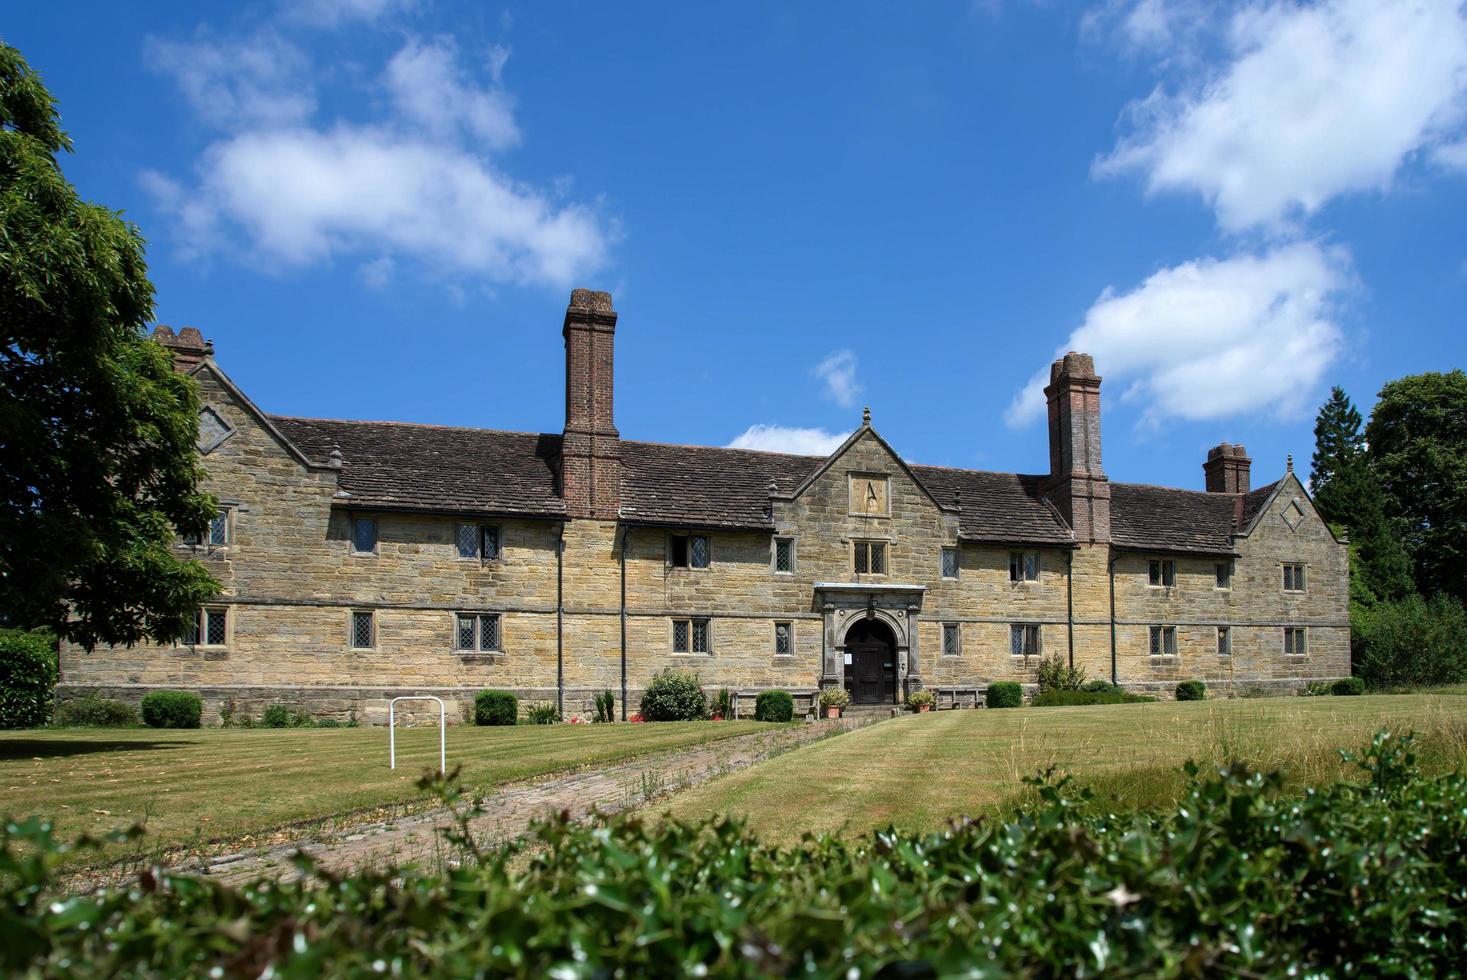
{"x":429,"y":89}
{"x":414,"y":187}
{"x":330,"y":13}
{"x":838,"y":373}
{"x":1166,"y":28}
{"x":786,"y":439}
{"x":1213,"y":338}
{"x":1312,"y":101}
{"x":1452,"y":156}
{"x":261,"y":81}
{"x":378,"y":272}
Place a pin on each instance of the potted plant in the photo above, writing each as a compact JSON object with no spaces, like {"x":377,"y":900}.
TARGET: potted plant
{"x":921,"y":701}
{"x":833,"y":699}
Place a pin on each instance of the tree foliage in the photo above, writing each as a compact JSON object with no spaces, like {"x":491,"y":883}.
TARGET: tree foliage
{"x":1337,"y":439}
{"x":1417,"y":442}
{"x":98,"y":464}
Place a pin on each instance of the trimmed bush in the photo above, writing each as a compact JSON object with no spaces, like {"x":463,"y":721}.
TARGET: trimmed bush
{"x":1348,"y":687}
{"x":275,"y":716}
{"x":674,"y":695}
{"x":774,"y":706}
{"x":496,"y":708}
{"x":91,"y":711}
{"x":1191,"y":691}
{"x":172,"y":709}
{"x":27,"y":678}
{"x":1004,"y":694}
{"x":1068,"y":699}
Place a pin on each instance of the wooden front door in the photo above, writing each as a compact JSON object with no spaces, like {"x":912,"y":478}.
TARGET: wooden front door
{"x":871,"y":674}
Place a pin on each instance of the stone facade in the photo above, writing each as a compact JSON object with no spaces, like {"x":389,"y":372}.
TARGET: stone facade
{"x":589,"y":598}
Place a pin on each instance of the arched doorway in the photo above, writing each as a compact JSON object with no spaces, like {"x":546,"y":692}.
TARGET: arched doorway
{"x":871,"y":674}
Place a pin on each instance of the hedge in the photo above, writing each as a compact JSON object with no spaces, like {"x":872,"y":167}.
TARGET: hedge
{"x":1065,"y":699}
{"x":1191,"y":691}
{"x":27,"y":677}
{"x":91,"y":711}
{"x":172,"y":709}
{"x":1004,"y":694}
{"x":496,"y":708}
{"x":674,"y":695}
{"x":1364,"y":877}
{"x":1348,"y":687}
{"x":774,"y":706}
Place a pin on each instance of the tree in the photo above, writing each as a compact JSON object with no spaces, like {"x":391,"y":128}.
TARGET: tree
{"x":1417,"y":444}
{"x":1349,"y":496}
{"x":98,"y":459}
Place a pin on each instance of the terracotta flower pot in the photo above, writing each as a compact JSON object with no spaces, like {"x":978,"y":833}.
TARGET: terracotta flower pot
{"x":922,"y":708}
{"x":832,"y":712}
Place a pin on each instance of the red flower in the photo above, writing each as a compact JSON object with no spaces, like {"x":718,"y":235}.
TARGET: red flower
{"x":636,"y":719}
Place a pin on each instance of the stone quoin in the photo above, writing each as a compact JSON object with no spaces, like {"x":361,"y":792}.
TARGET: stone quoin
{"x":362,"y":560}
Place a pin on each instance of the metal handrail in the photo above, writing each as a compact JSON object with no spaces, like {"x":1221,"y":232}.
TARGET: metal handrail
{"x":392,"y":730}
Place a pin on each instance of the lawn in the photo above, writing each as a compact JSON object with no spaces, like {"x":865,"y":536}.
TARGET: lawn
{"x":919,"y":771}
{"x":191,"y":787}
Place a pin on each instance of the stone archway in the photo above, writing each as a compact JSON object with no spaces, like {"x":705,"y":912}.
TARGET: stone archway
{"x":871,"y":676}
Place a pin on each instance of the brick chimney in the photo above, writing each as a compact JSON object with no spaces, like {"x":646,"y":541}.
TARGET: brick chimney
{"x":590,"y":454}
{"x":1228,"y":468}
{"x":1077,"y":484}
{"x":188,"y":348}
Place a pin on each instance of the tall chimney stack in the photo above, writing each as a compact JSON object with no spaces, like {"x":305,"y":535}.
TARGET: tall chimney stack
{"x":1077,"y":484}
{"x":590,"y":454}
{"x":1228,"y":469}
{"x":188,"y":348}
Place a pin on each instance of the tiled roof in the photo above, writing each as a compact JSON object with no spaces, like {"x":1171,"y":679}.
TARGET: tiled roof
{"x":395,"y":465}
{"x":1253,"y":503}
{"x":428,"y":467}
{"x":1171,"y":520}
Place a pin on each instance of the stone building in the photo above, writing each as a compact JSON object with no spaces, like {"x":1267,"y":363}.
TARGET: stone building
{"x":364,"y":559}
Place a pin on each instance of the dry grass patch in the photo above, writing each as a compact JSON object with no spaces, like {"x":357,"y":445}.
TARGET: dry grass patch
{"x":919,"y":771}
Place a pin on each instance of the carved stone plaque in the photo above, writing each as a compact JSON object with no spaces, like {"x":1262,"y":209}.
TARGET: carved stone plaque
{"x":213,"y":430}
{"x":870,"y":494}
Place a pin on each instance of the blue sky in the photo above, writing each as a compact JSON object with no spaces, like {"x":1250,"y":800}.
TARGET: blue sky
{"x":377,"y":208}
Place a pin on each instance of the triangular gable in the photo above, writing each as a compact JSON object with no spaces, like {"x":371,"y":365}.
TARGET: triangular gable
{"x":1288,"y":478}
{"x":254,"y":411}
{"x":855,"y":437}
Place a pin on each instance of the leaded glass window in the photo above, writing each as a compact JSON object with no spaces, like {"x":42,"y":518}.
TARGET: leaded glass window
{"x":363,"y":630}
{"x":784,"y":554}
{"x":1162,"y":572}
{"x":689,"y":551}
{"x":1163,"y":641}
{"x":870,"y":557}
{"x":489,"y":631}
{"x":219,"y":529}
{"x":698,"y":548}
{"x":1224,"y":572}
{"x":949,"y":563}
{"x":1024,"y":640}
{"x":215,"y":627}
{"x":467,"y":540}
{"x":1224,"y":641}
{"x":1295,"y":644}
{"x":1293,"y":578}
{"x":784,"y":639}
{"x":477,"y":541}
{"x":1023,"y":566}
{"x":951,"y":640}
{"x":680,"y":630}
{"x":700,"y":636}
{"x":363,"y":535}
{"x":490,"y":542}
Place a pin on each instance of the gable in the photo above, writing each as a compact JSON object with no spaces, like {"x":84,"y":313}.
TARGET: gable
{"x":230,"y":424}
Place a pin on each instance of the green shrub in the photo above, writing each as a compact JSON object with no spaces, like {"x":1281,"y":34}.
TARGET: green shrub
{"x":1237,"y":878}
{"x":1316,"y":689}
{"x":172,"y":709}
{"x":1055,"y":674}
{"x":27,"y":678}
{"x":496,"y":708}
{"x":326,"y":723}
{"x":275,"y":716}
{"x":1415,"y":642}
{"x":543,"y":713}
{"x":920,"y":698}
{"x":1004,"y":694}
{"x":1347,"y":687}
{"x":605,"y":707}
{"x":722,"y":706}
{"x":1191,"y":691}
{"x":1065,"y":699}
{"x":774,"y":706}
{"x":674,"y":695}
{"x":91,"y":711}
{"x":1100,"y":687}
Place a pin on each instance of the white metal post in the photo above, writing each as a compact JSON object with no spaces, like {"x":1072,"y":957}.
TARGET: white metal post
{"x":392,"y":730}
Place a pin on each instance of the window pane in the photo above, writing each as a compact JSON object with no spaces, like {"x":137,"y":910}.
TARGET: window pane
{"x":363,"y":534}
{"x":1224,"y":641}
{"x":464,"y":633}
{"x":1154,"y":571}
{"x":784,"y":558}
{"x":949,"y":639}
{"x":491,"y":542}
{"x":1016,"y":566}
{"x":467,"y":540}
{"x":1300,"y":647}
{"x":862,"y":562}
{"x":489,"y":631}
{"x":219,"y":528}
{"x":361,"y":630}
{"x":1031,"y":568}
{"x":700,"y":636}
{"x":679,"y":551}
{"x":191,"y":634}
{"x":782,"y":638}
{"x":1224,"y":575}
{"x":1031,"y":641}
{"x":878,"y":558}
{"x":1170,"y":636}
{"x":1299,"y":578}
{"x":1156,"y":641}
{"x":1016,"y":641}
{"x":214,"y":622}
{"x":700,"y":552}
{"x":680,"y":636}
{"x":949,"y":563}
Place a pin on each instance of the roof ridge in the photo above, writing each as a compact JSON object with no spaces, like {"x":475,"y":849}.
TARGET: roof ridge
{"x":730,"y":449}
{"x":414,"y":425}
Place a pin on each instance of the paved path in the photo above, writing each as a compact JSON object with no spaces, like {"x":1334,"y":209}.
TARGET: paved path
{"x":509,"y":812}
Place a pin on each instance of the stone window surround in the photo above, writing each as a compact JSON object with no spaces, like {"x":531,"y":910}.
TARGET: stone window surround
{"x":1161,"y":573}
{"x":943,"y":554}
{"x":789,"y":626}
{"x":690,"y":535}
{"x":1224,"y":641}
{"x":201,"y":628}
{"x":1300,"y":577}
{"x":351,"y":536}
{"x":1168,"y":641}
{"x":1299,"y":644}
{"x":480,"y":527}
{"x":1224,"y":581}
{"x":1022,"y":562}
{"x":885,"y":544}
{"x":955,"y":631}
{"x":351,"y":623}
{"x":774,"y":554}
{"x":692,"y":623}
{"x":478,"y":615}
{"x":1026,"y":653}
{"x":205,"y":542}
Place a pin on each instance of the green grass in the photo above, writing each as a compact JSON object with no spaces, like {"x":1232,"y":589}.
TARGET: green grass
{"x":192,"y":787}
{"x":919,"y":771}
